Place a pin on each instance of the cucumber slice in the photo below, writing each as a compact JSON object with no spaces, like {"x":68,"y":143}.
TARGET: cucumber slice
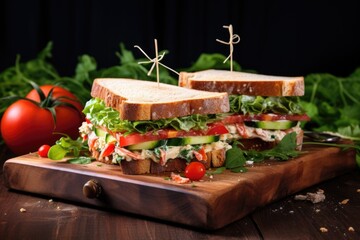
{"x":272,"y":125}
{"x":174,"y":142}
{"x":192,"y":140}
{"x":200,"y":139}
{"x":144,"y":145}
{"x":110,"y":138}
{"x":100,"y":133}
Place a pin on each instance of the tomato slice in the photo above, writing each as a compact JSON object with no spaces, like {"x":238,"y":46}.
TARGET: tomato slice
{"x":200,"y":155}
{"x":135,"y":138}
{"x":216,"y":129}
{"x":108,"y":149}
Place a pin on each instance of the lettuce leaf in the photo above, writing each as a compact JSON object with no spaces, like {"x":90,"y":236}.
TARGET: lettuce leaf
{"x":244,"y":104}
{"x":101,"y":115}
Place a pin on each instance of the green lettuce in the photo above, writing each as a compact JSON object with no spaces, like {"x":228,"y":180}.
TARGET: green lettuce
{"x":101,"y":115}
{"x":244,"y":104}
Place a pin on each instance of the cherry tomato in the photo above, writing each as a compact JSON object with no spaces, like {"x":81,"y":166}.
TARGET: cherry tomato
{"x":195,"y":171}
{"x":26,"y":126}
{"x":43,"y":150}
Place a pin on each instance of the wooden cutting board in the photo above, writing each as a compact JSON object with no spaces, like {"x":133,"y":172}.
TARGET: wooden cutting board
{"x":209,"y":204}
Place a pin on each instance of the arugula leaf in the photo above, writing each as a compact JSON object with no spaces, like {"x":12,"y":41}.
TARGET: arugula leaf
{"x":218,"y":170}
{"x":352,"y":130}
{"x":80,"y":160}
{"x":333,"y":103}
{"x":211,"y":61}
{"x":236,"y":158}
{"x":129,"y":68}
{"x":285,"y":147}
{"x":14,"y":80}
{"x":125,"y":55}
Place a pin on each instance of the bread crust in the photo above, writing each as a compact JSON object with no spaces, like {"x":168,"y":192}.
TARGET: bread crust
{"x":136,"y":167}
{"x":133,"y":108}
{"x":240,"y":83}
{"x":173,"y":165}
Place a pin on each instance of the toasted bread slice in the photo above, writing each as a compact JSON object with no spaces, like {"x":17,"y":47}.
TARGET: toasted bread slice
{"x":241,"y":83}
{"x":145,"y":100}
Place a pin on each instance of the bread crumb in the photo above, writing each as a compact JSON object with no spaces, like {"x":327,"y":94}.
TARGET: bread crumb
{"x":317,"y":210}
{"x":351,"y":229}
{"x":317,"y":197}
{"x":50,"y":200}
{"x":249,"y":163}
{"x":345,"y":201}
{"x":323,"y":229}
{"x":22,"y":210}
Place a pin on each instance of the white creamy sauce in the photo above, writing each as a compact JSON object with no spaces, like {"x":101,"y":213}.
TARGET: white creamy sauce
{"x":85,"y":128}
{"x":251,"y":132}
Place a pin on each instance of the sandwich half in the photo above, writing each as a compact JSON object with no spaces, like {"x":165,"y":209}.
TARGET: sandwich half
{"x":147,"y":127}
{"x":263,"y":108}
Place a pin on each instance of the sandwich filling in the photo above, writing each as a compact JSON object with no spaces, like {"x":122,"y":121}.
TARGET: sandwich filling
{"x":112,"y":140}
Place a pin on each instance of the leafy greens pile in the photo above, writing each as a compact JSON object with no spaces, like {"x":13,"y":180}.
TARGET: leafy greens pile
{"x":333,"y":103}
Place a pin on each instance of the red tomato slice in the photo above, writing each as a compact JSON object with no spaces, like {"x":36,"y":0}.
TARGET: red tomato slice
{"x":217,"y":129}
{"x":108,"y":149}
{"x":200,"y":155}
{"x":135,"y":138}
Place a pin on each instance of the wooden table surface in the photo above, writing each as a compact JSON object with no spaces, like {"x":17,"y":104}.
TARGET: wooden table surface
{"x":29,"y":216}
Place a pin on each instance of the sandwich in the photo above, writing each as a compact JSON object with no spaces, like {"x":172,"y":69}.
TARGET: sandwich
{"x":148,"y":127}
{"x":263,"y":108}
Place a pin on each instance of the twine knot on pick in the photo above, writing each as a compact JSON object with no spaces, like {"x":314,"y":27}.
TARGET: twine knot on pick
{"x":234,"y":39}
{"x":156,"y":61}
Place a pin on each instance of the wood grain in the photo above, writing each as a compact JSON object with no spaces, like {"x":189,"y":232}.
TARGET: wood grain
{"x":209,"y":204}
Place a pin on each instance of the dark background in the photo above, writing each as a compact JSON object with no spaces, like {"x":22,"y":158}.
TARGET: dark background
{"x":277,"y":37}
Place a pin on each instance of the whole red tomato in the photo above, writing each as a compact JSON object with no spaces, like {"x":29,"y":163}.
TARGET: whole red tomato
{"x":25,"y":126}
{"x":195,"y":171}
